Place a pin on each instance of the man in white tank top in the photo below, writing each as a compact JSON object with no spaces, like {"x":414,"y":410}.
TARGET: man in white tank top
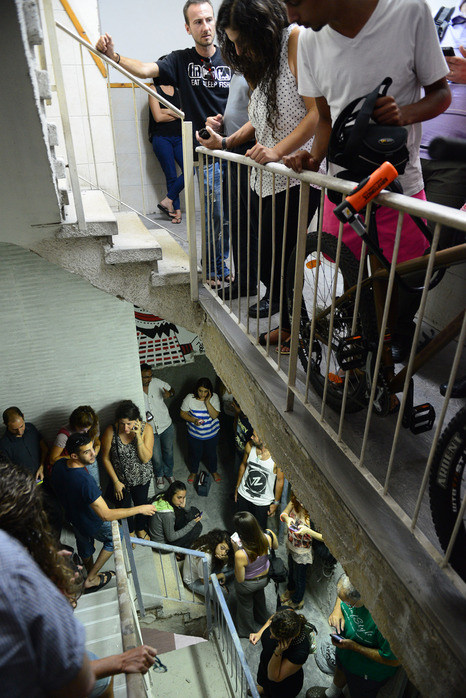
{"x":260,"y":482}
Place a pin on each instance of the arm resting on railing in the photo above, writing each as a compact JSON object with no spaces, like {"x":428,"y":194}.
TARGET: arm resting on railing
{"x":141,"y":70}
{"x":161,"y":115}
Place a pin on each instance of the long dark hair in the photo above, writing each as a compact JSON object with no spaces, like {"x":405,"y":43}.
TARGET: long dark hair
{"x":22,"y":516}
{"x":208,"y":543}
{"x":260,"y":24}
{"x":252,"y":537}
{"x":127,"y":410}
{"x":204,"y":382}
{"x":171,"y":490}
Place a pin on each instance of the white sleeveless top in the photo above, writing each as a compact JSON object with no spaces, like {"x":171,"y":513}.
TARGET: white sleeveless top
{"x":290,"y":111}
{"x":258,"y":483}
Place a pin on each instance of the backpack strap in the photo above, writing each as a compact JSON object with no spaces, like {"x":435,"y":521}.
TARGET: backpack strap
{"x":364,"y":116}
{"x":442,"y":20}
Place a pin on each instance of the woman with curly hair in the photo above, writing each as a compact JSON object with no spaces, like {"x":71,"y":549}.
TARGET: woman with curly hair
{"x":257,"y":41}
{"x":217,"y":546}
{"x":286,"y":645}
{"x":82,"y":420}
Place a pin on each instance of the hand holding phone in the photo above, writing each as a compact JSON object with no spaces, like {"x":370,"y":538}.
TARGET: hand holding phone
{"x":448,"y":51}
{"x":336,"y":637}
{"x":203,"y":132}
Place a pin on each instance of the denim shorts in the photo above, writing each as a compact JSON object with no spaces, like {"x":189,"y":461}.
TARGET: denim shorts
{"x":85,"y":544}
{"x":100,"y":685}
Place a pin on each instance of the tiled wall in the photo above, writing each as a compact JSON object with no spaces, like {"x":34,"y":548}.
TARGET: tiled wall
{"x":64,"y":343}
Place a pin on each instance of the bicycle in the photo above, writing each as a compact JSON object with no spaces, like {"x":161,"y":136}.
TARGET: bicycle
{"x":344,"y":344}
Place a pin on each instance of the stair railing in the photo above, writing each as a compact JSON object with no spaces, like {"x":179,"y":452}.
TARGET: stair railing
{"x":220,"y":625}
{"x":186,"y":133}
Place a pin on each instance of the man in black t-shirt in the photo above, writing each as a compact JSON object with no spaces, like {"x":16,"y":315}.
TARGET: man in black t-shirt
{"x":203,"y":79}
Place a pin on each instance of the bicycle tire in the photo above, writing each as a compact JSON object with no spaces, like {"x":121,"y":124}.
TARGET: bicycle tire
{"x":348,"y":269}
{"x":445,"y":485}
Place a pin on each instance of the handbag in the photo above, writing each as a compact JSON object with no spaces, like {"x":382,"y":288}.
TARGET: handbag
{"x":278,"y":572}
{"x":360,"y":146}
{"x":204,"y":482}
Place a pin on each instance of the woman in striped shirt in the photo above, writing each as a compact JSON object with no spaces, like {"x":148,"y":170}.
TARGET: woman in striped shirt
{"x":200,"y":410}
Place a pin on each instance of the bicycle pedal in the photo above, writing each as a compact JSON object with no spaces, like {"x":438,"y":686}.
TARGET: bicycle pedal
{"x":422,"y":418}
{"x":352,"y":352}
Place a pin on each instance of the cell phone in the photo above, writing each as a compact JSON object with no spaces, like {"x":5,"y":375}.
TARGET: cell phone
{"x":448,"y":50}
{"x":293,"y":527}
{"x":337,"y":637}
{"x":203,"y":132}
{"x":149,"y":416}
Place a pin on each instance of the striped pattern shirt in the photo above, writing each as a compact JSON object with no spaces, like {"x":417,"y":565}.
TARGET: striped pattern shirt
{"x":208,"y":428}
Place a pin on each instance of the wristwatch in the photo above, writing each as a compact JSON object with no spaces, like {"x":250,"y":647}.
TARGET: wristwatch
{"x":224,"y":143}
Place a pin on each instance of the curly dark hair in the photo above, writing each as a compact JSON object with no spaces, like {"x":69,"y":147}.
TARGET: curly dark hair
{"x":208,"y":543}
{"x":287,"y":624}
{"x":260,"y":24}
{"x":127,"y":410}
{"x":22,"y":516}
{"x":84,"y":417}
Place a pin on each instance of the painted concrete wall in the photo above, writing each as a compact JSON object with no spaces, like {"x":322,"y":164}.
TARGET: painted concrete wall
{"x":64,"y":343}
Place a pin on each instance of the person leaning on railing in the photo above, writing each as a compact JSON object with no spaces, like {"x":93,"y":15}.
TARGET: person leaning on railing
{"x":42,"y":645}
{"x":258,"y":43}
{"x":216,"y":545}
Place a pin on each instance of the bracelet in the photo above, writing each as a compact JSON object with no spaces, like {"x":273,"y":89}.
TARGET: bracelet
{"x":275,"y":502}
{"x":224,"y":143}
{"x":118,"y":57}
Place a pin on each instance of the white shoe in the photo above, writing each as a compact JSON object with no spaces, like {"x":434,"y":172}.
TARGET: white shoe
{"x":159,"y":483}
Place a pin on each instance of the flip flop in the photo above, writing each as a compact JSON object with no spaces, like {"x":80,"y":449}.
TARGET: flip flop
{"x":218,"y":478}
{"x":166,"y":211}
{"x":105,"y":578}
{"x":176,"y":219}
{"x":191,"y":478}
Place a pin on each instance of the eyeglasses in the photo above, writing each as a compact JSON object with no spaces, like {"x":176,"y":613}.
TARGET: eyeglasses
{"x":159,"y":667}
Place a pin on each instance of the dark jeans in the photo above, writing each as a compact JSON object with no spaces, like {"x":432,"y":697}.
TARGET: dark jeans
{"x":162,"y":457}
{"x":132,"y":496}
{"x":269,"y":240}
{"x":217,"y":239}
{"x":239,"y":233}
{"x":358,"y":686}
{"x":169,"y":150}
{"x":205,"y":449}
{"x":260,"y":512}
{"x":296,"y":579}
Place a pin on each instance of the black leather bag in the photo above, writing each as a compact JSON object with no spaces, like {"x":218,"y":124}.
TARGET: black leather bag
{"x":359,"y":145}
{"x":204,"y":481}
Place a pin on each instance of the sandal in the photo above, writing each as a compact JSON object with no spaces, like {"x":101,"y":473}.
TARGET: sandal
{"x":176,"y":219}
{"x":191,"y":478}
{"x":166,"y":211}
{"x":285,"y":348}
{"x":145,"y":536}
{"x":218,"y":478}
{"x":273,"y":336}
{"x":105,"y":578}
{"x":213,"y":283}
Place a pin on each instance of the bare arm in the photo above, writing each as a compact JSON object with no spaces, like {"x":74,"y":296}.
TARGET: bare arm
{"x":101,"y":509}
{"x":135,"y":661}
{"x":242,"y":468}
{"x":96,"y":443}
{"x":243,"y":135}
{"x":144,"y":442}
{"x":160,"y":115}
{"x":43,"y":459}
{"x":278,"y":668}
{"x":55,"y":454}
{"x":303,"y":160}
{"x":241,"y":562}
{"x":436,"y":99}
{"x":138,"y":68}
{"x":369,"y":652}
{"x":278,"y":492}
{"x":336,"y":618}
{"x":210,"y":409}
{"x":255,"y":637}
{"x":188,"y":417}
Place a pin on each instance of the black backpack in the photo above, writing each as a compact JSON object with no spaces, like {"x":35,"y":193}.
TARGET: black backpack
{"x":360,"y":146}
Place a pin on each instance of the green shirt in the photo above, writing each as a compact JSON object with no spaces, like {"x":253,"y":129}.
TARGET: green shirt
{"x":360,"y":627}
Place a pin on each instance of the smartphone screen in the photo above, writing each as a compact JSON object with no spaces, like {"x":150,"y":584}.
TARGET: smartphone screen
{"x":337,"y":637}
{"x":448,"y":51}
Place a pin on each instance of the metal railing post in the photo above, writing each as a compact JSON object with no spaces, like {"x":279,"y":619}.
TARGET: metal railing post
{"x":134,"y":572}
{"x":208,"y":610}
{"x":64,"y":113}
{"x":188,"y":168}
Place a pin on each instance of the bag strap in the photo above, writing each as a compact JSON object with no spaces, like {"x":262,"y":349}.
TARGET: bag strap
{"x":363,"y":117}
{"x":442,"y":20}
{"x":272,"y":551}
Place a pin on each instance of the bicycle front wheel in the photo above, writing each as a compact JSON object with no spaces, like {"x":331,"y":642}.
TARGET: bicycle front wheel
{"x":447,"y":488}
{"x":324,"y":360}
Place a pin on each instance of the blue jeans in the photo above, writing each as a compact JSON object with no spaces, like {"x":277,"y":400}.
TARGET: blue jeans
{"x":202,"y":448}
{"x":296,"y":579}
{"x":162,"y":458}
{"x":85,"y":543}
{"x":215,"y":261}
{"x":169,"y":149}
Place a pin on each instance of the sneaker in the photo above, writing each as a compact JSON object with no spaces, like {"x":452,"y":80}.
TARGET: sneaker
{"x":159,"y":483}
{"x":170,"y":479}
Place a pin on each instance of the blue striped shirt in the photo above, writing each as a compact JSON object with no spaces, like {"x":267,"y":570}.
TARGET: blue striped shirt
{"x":209,"y":427}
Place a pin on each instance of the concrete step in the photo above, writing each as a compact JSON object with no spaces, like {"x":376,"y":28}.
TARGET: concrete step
{"x":192,"y":671}
{"x":100,"y":219}
{"x":173,"y":268}
{"x":134,"y":242}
